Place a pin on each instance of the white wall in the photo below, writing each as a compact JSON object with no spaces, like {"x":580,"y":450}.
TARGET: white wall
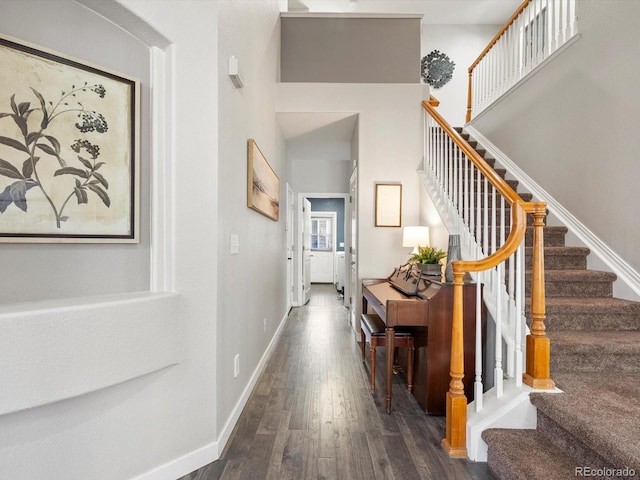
{"x":252,"y":284}
{"x":389,"y":149}
{"x":463,"y":44}
{"x":112,"y":387}
{"x":572,"y":127}
{"x":35,"y":272}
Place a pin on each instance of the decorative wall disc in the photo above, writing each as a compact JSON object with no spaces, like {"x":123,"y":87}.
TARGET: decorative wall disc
{"x":437,"y":69}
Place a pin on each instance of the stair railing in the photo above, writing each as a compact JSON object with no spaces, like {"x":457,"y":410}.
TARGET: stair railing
{"x":475,"y":199}
{"x":535,"y":31}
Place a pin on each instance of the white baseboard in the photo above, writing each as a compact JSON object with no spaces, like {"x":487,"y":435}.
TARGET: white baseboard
{"x":211,"y":452}
{"x":183,"y":465}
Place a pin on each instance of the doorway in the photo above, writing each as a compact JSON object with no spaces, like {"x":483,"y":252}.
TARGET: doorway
{"x":323,"y":247}
{"x":333,"y":260}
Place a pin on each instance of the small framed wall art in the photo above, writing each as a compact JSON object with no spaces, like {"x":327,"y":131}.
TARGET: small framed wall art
{"x":388,"y":205}
{"x":68,"y":149}
{"x":263,"y":185}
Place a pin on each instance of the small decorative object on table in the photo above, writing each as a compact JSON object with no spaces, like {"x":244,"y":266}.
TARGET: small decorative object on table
{"x":428,"y":259}
{"x":453,"y":254}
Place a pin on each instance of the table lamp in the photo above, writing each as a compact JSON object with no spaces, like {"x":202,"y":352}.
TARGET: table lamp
{"x":416,"y":236}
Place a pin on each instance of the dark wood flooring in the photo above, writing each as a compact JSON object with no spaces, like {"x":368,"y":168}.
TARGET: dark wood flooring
{"x":312,"y":416}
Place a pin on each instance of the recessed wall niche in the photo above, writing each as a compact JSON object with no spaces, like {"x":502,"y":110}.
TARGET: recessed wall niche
{"x":46,"y":271}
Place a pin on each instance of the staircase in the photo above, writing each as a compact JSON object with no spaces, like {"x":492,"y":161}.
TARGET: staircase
{"x":595,"y":361}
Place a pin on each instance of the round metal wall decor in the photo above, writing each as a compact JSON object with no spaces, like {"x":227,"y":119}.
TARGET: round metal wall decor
{"x":437,"y":69}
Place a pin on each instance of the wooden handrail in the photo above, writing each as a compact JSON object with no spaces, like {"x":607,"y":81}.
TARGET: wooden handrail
{"x":538,"y":345}
{"x":493,"y":41}
{"x":499,"y":34}
{"x":433,"y":101}
{"x":503,"y":187}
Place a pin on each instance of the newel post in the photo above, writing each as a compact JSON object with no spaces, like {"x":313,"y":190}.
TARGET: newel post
{"x":538,"y":344}
{"x":455,"y":442}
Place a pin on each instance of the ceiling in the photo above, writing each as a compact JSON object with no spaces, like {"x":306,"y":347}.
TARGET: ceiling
{"x":468,"y":12}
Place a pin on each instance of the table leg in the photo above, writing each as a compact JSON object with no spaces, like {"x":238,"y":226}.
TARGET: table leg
{"x":390,"y":347}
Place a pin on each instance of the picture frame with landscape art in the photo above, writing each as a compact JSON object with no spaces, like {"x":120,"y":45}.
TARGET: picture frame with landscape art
{"x":69,"y":146}
{"x":263,"y":185}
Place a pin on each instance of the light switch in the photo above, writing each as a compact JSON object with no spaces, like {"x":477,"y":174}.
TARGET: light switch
{"x":234,"y":244}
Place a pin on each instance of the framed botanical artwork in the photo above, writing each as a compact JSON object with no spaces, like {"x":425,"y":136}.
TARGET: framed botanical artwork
{"x":68,"y":149}
{"x":263,"y":185}
{"x":388,"y":205}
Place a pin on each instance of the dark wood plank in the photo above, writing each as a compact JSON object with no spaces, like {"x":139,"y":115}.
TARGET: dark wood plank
{"x":312,"y":416}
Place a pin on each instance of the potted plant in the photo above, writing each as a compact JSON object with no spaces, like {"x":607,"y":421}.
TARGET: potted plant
{"x":428,"y":260}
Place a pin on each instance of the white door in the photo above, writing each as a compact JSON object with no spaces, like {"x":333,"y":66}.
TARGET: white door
{"x":323,"y":241}
{"x":322,"y":267}
{"x":306,"y":251}
{"x":353,"y":203}
{"x":290,"y":242}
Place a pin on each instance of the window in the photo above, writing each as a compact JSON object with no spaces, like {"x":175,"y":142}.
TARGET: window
{"x":321,"y":234}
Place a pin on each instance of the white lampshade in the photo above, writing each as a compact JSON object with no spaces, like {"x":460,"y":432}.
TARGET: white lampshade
{"x":415,"y":237}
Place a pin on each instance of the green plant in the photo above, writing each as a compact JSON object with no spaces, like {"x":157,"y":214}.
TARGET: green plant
{"x":428,"y":255}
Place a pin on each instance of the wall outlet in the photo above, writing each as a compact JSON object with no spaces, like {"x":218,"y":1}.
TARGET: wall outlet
{"x":236,"y":366}
{"x":265,"y":324}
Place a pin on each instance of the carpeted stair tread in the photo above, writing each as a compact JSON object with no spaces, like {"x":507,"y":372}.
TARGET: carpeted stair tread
{"x":560,"y":251}
{"x":602,"y":410}
{"x":591,"y":313}
{"x":525,"y":455}
{"x":585,"y":304}
{"x":579,"y":341}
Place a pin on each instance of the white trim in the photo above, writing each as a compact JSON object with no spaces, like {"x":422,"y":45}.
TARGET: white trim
{"x":627,"y":284}
{"x":163,"y":171}
{"x":348,"y":15}
{"x":183,"y":465}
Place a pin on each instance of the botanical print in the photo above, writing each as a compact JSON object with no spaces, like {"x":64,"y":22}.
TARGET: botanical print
{"x":66,"y":148}
{"x":263,"y":189}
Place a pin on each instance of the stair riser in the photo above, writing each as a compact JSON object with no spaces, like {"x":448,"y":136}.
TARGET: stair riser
{"x":551,"y":237}
{"x":574,"y":289}
{"x":561,"y":262}
{"x":594,"y":322}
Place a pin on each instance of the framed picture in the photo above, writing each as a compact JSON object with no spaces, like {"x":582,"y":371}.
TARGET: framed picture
{"x":68,"y":149}
{"x":388,"y":205}
{"x":263,"y":185}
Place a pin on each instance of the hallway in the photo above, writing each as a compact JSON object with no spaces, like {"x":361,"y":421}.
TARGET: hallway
{"x":311,"y":415}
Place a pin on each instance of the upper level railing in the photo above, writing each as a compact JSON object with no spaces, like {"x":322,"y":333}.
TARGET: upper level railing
{"x":535,"y":31}
{"x":477,"y":202}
